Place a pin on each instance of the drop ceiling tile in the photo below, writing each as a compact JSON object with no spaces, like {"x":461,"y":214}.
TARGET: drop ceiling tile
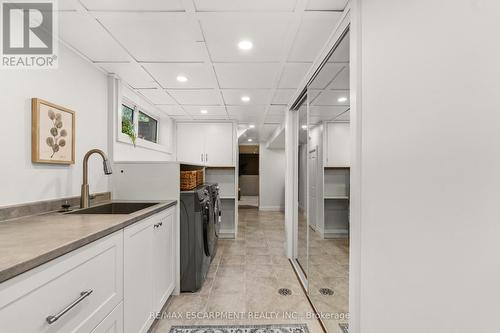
{"x":142,"y":5}
{"x":87,"y":36}
{"x":181,"y":117}
{"x":267,"y":130}
{"x":132,"y":74}
{"x":156,"y":96}
{"x":330,"y":97}
{"x":210,"y":117}
{"x":327,"y":75}
{"x":276,"y":110}
{"x":283,"y":96}
{"x":313,"y":33}
{"x":276,"y":119}
{"x":257,"y":96}
{"x":326,"y":4}
{"x":198,"y":75}
{"x":253,"y":114}
{"x":250,"y":75}
{"x":197,"y":97}
{"x":341,"y":81}
{"x":249,"y":109}
{"x":293,"y":74}
{"x":172,"y":110}
{"x":244,"y":5}
{"x":267,"y":32}
{"x":213,"y":111}
{"x":155,"y":36}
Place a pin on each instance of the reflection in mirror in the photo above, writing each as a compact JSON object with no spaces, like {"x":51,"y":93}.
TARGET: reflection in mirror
{"x":302,"y":188}
{"x":328,"y":184}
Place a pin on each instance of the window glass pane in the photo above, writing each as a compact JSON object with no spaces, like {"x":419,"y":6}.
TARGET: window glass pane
{"x":147,"y":127}
{"x":127,"y":118}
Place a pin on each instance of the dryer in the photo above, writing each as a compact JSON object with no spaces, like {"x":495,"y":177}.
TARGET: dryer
{"x":198,"y":241}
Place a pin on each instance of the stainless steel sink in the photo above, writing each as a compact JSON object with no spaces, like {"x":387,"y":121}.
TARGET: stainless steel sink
{"x":115,"y":208}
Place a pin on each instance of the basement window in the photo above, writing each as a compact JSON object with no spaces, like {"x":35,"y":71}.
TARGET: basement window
{"x":148,"y":128}
{"x":137,"y":123}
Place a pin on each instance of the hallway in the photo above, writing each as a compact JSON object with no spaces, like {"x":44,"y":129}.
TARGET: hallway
{"x":244,"y":278}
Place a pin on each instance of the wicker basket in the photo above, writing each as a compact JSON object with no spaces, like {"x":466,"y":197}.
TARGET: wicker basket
{"x":199,"y":177}
{"x":188,"y":180}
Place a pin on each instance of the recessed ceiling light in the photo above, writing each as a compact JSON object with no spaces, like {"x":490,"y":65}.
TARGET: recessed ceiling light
{"x":250,"y":140}
{"x":251,"y":126}
{"x":245,"y":45}
{"x":182,"y":78}
{"x":304,"y":127}
{"x":245,"y":99}
{"x":203,"y":111}
{"x":342,"y":99}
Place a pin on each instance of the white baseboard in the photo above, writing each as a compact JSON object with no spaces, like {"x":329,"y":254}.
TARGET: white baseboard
{"x":272,"y":208}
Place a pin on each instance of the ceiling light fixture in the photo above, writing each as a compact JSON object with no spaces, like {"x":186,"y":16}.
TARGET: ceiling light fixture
{"x":250,"y":140}
{"x":204,"y":111}
{"x":245,"y":45}
{"x":182,"y":78}
{"x":342,"y":99}
{"x":251,"y":126}
{"x":245,"y":99}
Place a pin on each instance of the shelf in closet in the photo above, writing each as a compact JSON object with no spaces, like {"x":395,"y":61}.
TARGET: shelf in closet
{"x":336,"y":197}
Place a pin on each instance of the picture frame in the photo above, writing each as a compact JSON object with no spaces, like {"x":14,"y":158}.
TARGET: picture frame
{"x":52,"y":133}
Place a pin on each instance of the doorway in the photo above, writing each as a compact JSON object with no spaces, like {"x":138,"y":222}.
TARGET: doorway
{"x":248,"y":193}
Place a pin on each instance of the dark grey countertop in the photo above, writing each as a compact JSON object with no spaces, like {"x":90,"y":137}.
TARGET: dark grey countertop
{"x":28,"y":242}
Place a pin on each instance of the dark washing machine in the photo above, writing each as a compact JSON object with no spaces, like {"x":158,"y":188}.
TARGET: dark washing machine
{"x":214,"y":190}
{"x":197,"y":237}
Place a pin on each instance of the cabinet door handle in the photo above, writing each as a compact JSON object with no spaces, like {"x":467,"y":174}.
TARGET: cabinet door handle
{"x":53,"y":318}
{"x":201,"y":158}
{"x":206,"y":157}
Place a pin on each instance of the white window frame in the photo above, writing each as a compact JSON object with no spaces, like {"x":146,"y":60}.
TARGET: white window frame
{"x":123,"y":138}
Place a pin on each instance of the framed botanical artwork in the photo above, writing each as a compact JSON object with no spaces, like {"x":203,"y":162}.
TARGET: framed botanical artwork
{"x":52,"y":133}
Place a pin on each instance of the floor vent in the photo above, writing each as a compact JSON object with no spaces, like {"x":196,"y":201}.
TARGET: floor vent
{"x":326,"y":291}
{"x":284,"y":292}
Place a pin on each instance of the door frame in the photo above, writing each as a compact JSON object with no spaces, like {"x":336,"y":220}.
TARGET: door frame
{"x":350,"y":20}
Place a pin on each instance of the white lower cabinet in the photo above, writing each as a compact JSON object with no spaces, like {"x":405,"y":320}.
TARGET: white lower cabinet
{"x":164,"y":261}
{"x":111,"y":285}
{"x":89,"y":279}
{"x":149,"y":269}
{"x":113,"y":323}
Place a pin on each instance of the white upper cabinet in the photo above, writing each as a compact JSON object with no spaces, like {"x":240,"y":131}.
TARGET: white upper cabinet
{"x":190,"y":143}
{"x":338,"y":147}
{"x":219,"y":144}
{"x":209,"y":144}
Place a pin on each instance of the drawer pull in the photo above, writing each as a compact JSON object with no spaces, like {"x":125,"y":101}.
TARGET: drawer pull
{"x":83,"y":295}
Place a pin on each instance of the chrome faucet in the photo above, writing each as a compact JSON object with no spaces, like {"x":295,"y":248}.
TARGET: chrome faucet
{"x":85,"y":196}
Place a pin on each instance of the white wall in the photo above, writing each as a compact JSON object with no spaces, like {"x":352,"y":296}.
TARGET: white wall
{"x":430,"y":172}
{"x":272,"y":178}
{"x":76,"y":85}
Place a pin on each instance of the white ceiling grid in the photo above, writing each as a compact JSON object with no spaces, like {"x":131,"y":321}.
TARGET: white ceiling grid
{"x":149,"y":43}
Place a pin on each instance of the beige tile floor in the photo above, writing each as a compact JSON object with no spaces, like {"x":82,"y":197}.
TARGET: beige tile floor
{"x":245,"y":277}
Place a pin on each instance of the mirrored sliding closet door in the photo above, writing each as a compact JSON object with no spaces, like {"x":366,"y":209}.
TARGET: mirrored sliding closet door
{"x":322,"y":187}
